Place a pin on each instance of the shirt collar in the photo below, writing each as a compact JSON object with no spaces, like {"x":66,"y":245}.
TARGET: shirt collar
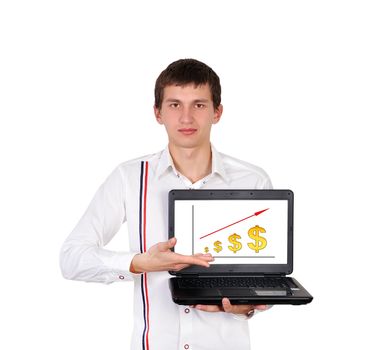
{"x":218,"y":165}
{"x":166,"y":163}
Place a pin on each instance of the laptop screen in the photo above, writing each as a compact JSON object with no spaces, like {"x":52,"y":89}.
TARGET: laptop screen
{"x":233,"y":231}
{"x":238,"y":227}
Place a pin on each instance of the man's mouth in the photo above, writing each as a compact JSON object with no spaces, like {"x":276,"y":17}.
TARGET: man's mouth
{"x":187,"y":131}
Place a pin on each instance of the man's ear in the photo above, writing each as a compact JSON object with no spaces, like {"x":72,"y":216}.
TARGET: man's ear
{"x":217,"y":114}
{"x":157,"y":113}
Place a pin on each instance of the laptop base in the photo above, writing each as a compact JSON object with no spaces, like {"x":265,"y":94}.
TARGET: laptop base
{"x":295,"y":295}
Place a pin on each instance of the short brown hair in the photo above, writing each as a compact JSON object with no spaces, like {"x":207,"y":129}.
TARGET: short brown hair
{"x":188,"y":71}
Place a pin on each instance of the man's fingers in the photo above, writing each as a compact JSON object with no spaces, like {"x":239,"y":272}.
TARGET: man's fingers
{"x":236,"y":309}
{"x":161,"y":258}
{"x":164,"y":246}
{"x":261,"y":307}
{"x":203,"y":257}
{"x":240,"y":309}
{"x":201,"y":254}
{"x":227,"y":306}
{"x":195,"y":260}
{"x":208,"y":308}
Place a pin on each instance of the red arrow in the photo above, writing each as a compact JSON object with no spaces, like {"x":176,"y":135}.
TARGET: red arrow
{"x":255,"y":214}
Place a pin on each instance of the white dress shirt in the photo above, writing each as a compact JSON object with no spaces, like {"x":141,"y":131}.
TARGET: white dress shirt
{"x":136,"y":192}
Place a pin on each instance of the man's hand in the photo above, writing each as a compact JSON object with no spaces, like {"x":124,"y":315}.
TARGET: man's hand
{"x":228,"y":307}
{"x":160,"y":258}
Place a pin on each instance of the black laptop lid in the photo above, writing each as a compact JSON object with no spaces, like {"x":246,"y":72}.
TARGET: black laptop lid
{"x":246,"y":231}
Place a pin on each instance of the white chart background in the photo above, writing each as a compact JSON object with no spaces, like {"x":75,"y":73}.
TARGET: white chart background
{"x":300,"y":94}
{"x":215,"y":214}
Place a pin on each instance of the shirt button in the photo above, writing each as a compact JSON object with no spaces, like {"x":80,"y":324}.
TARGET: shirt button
{"x":121,"y":277}
{"x":187,"y":310}
{"x":186,"y":346}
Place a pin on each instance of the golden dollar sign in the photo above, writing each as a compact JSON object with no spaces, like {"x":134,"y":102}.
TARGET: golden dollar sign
{"x":206,"y":249}
{"x":236,"y":245}
{"x":217,"y":247}
{"x":260,"y":242}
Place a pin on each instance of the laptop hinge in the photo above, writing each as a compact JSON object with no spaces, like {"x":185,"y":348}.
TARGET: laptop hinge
{"x":195,"y":275}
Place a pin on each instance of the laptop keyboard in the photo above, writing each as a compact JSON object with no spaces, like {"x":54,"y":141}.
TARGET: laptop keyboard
{"x":236,"y":282}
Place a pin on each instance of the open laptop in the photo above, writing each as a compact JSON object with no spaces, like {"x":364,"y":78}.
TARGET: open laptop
{"x":250,"y":235}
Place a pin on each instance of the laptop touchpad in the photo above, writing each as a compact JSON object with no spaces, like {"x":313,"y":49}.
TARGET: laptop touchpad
{"x":271,"y":292}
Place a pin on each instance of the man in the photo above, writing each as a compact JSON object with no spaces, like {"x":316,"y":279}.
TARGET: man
{"x":187,"y":103}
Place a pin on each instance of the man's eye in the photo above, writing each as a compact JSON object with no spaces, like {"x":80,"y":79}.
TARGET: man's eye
{"x":174,"y":105}
{"x":200,"y":105}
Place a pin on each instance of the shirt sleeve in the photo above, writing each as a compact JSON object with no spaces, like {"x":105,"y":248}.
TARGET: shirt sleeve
{"x":267,"y":185}
{"x":83,"y":256}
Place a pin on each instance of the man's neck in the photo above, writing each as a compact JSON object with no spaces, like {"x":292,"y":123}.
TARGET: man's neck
{"x":193,"y":163}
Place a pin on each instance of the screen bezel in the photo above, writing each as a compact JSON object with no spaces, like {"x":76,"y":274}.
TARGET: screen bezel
{"x":244,"y":194}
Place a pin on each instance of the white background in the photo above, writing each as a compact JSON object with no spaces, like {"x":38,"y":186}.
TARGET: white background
{"x":300,"y":91}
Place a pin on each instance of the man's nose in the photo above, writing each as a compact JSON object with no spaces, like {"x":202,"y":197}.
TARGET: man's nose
{"x":186,"y":115}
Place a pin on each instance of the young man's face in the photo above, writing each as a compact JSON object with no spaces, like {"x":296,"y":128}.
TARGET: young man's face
{"x":188,"y":115}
